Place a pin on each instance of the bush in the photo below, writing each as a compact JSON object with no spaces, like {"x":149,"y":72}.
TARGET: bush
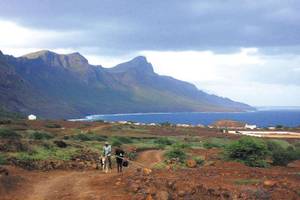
{"x":284,"y":156}
{"x":88,"y":137}
{"x":3,"y":160}
{"x":251,"y":151}
{"x":53,"y":125}
{"x":176,"y":153}
{"x":274,"y":144}
{"x":116,"y":143}
{"x":8,"y":134}
{"x":199,"y":160}
{"x":164,"y":141}
{"x":132,"y":155}
{"x":122,"y":139}
{"x":179,"y":145}
{"x":38,"y":135}
{"x":216,"y":142}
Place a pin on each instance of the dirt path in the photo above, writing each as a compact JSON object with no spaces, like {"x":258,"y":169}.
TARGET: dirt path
{"x":81,"y":185}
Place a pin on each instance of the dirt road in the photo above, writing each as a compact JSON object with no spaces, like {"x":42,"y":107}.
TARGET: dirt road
{"x":80,"y":185}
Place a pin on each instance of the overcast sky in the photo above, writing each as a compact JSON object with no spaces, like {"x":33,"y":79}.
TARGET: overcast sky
{"x":247,"y":50}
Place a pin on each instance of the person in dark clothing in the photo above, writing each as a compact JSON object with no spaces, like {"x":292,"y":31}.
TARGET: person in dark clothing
{"x":119,"y":158}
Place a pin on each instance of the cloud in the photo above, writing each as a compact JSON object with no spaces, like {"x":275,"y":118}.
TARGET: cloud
{"x":120,"y":27}
{"x":247,"y":75}
{"x":247,"y":50}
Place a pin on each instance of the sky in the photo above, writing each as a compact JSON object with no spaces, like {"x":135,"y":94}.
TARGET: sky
{"x":247,"y":50}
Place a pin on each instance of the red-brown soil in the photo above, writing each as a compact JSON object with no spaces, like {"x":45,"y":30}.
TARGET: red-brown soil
{"x":215,"y":181}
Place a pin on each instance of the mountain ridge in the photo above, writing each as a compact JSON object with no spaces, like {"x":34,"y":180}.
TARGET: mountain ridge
{"x":68,"y":83}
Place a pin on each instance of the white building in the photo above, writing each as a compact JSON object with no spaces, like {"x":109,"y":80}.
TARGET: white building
{"x":31,"y":117}
{"x":248,"y":126}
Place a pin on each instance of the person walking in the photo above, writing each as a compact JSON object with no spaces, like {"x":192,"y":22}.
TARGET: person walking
{"x":107,"y":156}
{"x":119,"y":152}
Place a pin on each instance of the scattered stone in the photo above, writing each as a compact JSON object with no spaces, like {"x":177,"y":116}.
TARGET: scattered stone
{"x":269,"y":183}
{"x":149,"y":197}
{"x":147,"y":171}
{"x":191,"y":163}
{"x":162,"y":195}
{"x":181,"y":193}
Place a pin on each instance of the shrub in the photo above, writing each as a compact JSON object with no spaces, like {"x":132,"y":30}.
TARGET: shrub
{"x":8,"y":134}
{"x":282,"y":156}
{"x":88,"y":137}
{"x":274,"y":144}
{"x":216,"y":142}
{"x":116,"y":143}
{"x":122,"y":139}
{"x":3,"y":160}
{"x":163,"y":141}
{"x":176,"y":153}
{"x":251,"y":151}
{"x":53,"y":125}
{"x":179,"y":145}
{"x":132,"y":155}
{"x":199,"y":160}
{"x":38,"y":135}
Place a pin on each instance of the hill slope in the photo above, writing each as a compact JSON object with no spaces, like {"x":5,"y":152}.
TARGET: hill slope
{"x":66,"y":86}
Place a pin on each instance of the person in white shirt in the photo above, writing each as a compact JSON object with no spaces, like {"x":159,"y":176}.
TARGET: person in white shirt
{"x":107,"y":155}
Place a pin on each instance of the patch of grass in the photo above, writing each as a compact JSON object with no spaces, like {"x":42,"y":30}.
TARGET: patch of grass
{"x":54,"y":153}
{"x":6,"y":133}
{"x":39,"y":135}
{"x":181,"y":145}
{"x":216,"y":142}
{"x":160,"y":165}
{"x":247,"y":181}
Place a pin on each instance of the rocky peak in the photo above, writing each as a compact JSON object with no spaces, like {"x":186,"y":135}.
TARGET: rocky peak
{"x":139,"y":63}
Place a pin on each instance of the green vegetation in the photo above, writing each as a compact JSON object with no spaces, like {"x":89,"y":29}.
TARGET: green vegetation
{"x":216,"y":142}
{"x":199,"y":160}
{"x":39,"y":135}
{"x":251,"y":151}
{"x":247,"y":181}
{"x":53,"y":125}
{"x":6,"y":133}
{"x":176,"y":153}
{"x":54,"y":153}
{"x":5,"y":115}
{"x":88,"y":137}
{"x":3,"y":160}
{"x":163,"y":141}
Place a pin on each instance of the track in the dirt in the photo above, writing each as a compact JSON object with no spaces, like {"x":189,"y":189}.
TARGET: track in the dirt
{"x":91,"y":185}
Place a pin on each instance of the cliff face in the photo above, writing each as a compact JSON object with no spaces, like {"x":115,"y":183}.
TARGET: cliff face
{"x":65,"y":86}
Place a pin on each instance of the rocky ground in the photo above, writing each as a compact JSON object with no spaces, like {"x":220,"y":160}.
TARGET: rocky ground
{"x":215,"y":180}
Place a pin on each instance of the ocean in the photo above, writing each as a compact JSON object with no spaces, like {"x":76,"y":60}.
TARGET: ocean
{"x":261,"y":118}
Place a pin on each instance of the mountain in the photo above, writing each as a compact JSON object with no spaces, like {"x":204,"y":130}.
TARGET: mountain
{"x":53,"y":85}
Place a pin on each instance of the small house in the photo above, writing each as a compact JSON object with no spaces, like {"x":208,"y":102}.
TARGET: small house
{"x":32,"y":117}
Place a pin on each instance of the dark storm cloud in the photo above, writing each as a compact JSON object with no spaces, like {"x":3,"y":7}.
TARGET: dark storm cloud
{"x":119,"y":26}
